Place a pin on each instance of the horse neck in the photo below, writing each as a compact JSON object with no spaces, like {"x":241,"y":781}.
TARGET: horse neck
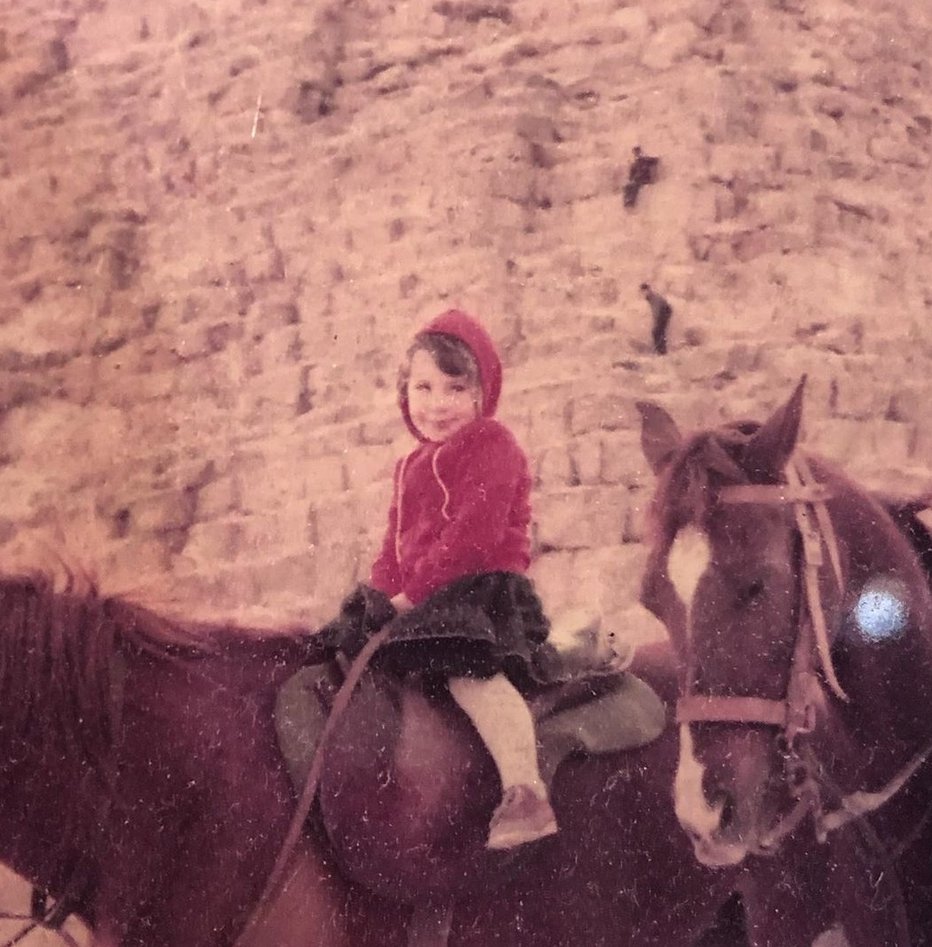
{"x":56,"y":666}
{"x":890,"y":681}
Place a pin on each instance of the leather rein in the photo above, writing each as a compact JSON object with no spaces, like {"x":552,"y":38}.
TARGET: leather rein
{"x":796,"y":714}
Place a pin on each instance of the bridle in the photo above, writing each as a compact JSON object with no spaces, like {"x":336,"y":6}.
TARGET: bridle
{"x":795,"y":715}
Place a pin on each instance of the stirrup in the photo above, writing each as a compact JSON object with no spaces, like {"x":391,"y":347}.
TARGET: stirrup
{"x":582,"y":647}
{"x":574,"y":624}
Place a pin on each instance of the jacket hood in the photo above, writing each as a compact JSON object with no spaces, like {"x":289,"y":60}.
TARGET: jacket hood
{"x":469,"y":331}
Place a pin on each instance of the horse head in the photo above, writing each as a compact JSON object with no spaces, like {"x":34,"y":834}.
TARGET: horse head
{"x":802,"y":619}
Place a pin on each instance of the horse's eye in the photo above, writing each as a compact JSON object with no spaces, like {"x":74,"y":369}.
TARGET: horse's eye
{"x":751,"y":592}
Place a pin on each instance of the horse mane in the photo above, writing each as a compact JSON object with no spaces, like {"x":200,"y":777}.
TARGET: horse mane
{"x":60,"y":653}
{"x":683,"y":492}
{"x":64,"y":647}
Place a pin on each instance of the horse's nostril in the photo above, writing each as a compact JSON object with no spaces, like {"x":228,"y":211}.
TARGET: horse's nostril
{"x":796,"y":776}
{"x":728,"y":811}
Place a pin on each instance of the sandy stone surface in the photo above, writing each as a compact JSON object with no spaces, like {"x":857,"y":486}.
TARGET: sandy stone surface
{"x":220,"y":221}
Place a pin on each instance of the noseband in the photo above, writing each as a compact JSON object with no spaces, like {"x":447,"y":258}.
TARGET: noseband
{"x":796,"y":714}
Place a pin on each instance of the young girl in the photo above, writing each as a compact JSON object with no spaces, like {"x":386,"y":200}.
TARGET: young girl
{"x":455,"y":553}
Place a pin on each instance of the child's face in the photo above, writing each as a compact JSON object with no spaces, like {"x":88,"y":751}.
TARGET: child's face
{"x":439,"y":404}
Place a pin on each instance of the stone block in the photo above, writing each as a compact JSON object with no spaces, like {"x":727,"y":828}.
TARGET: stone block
{"x":219,"y":497}
{"x":547,"y":414}
{"x":367,"y":465}
{"x":372,"y":504}
{"x":512,"y":184}
{"x":921,"y":445}
{"x":339,"y":519}
{"x":670,"y":44}
{"x":896,"y":147}
{"x":622,"y":460}
{"x":337,"y":568}
{"x":220,"y":595}
{"x":581,"y":517}
{"x":283,"y":533}
{"x":68,"y":440}
{"x":634,"y":528}
{"x":553,"y":579}
{"x":291,"y":575}
{"x":324,"y":475}
{"x":856,"y":445}
{"x":858,"y":393}
{"x":263,"y":483}
{"x":910,"y":401}
{"x":275,"y":348}
{"x":138,"y":567}
{"x":601,"y":412}
{"x":171,"y":510}
{"x":586,"y":455}
{"x":385,"y":429}
{"x":272,"y":398}
{"x":213,"y":542}
{"x":634,"y":21}
{"x":553,"y":468}
{"x":608,"y":579}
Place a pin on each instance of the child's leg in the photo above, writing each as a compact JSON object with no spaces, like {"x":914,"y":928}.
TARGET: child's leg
{"x":503,"y":720}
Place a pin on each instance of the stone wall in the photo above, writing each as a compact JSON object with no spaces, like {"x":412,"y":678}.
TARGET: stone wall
{"x":222,"y":220}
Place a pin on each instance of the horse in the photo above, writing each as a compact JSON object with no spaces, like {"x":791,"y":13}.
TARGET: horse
{"x":143,"y":787}
{"x":801,"y":614}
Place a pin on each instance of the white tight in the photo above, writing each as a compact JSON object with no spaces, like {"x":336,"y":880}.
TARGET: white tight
{"x":502,"y":718}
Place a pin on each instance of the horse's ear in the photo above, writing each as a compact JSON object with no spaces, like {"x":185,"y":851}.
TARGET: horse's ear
{"x":660,"y":437}
{"x":771,"y":447}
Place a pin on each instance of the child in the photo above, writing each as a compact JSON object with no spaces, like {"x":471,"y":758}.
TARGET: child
{"x":458,"y":538}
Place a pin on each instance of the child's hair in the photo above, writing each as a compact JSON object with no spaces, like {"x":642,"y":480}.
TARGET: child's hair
{"x":452,"y":355}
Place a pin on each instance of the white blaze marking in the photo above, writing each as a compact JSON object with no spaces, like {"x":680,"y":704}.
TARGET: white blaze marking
{"x":833,"y":937}
{"x":689,"y":557}
{"x":689,"y":801}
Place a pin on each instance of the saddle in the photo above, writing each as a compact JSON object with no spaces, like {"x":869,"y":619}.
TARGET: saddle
{"x":601,"y":712}
{"x":408,"y":787}
{"x":593,"y":705}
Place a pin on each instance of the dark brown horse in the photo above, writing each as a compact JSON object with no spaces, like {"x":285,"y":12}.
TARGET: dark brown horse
{"x":143,"y":786}
{"x":803,"y":618}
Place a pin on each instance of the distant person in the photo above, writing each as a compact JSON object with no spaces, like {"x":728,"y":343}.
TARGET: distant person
{"x":643,"y":171}
{"x":661,"y":313}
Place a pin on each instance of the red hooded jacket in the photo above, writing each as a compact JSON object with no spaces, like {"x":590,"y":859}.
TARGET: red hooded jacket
{"x":460,"y":507}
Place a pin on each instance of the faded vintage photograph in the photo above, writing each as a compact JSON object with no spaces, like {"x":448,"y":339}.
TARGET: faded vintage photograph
{"x":466,"y":473}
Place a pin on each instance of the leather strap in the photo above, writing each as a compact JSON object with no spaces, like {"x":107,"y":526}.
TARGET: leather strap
{"x":775,"y":493}
{"x":714,"y":708}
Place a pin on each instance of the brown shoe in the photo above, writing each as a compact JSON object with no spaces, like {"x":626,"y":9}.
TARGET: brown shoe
{"x":522,"y":816}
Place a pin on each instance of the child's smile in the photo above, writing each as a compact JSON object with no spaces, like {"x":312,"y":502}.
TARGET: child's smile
{"x":439,"y":404}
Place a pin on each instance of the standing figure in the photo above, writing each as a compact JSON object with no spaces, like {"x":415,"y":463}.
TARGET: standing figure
{"x":661,"y":313}
{"x":643,"y":171}
{"x":450,"y":576}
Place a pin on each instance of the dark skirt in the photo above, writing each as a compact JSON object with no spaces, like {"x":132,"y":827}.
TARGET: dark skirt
{"x":477,"y":626}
